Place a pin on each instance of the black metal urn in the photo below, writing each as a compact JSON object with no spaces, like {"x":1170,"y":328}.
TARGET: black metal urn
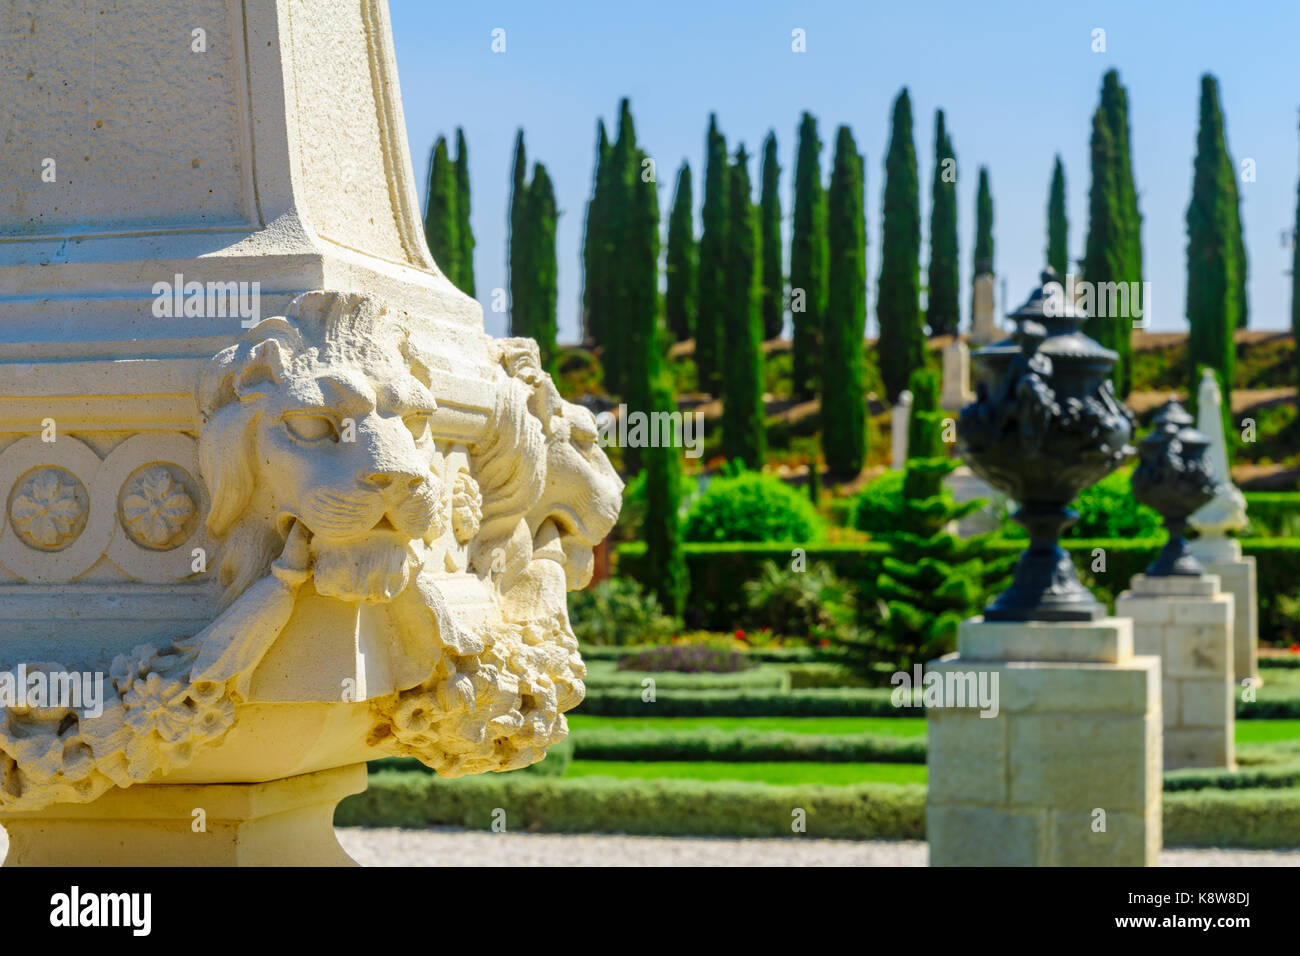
{"x":1175,"y":479}
{"x":1044,"y":425}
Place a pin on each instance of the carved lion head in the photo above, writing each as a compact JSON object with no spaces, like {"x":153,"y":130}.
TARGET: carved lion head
{"x":321,"y":417}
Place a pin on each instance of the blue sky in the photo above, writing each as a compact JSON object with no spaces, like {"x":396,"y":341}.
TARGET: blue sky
{"x":1018,"y":82}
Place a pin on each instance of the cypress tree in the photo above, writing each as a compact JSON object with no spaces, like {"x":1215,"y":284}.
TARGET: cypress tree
{"x":624,"y":165}
{"x":925,"y":423}
{"x":595,"y":252}
{"x":1058,"y":254}
{"x":541,"y":261}
{"x":665,"y":566}
{"x":683,"y":262}
{"x":711,"y":290}
{"x":440,"y":218}
{"x":744,"y":437}
{"x":640,"y":309}
{"x":901,"y":348}
{"x":1105,"y":250}
{"x":520,"y":270}
{"x":773,"y":276}
{"x":942,"y":312}
{"x":465,"y":281}
{"x":1113,"y":251}
{"x":808,"y":257}
{"x":844,"y":426}
{"x":1239,"y":249}
{"x":1211,"y":261}
{"x":983,"y":228}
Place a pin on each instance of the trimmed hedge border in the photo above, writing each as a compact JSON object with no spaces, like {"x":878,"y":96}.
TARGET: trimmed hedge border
{"x":717,"y":571}
{"x":764,"y":678}
{"x":828,"y":702}
{"x":770,"y":655}
{"x":1256,"y":819}
{"x":651,"y":807}
{"x":744,"y":746}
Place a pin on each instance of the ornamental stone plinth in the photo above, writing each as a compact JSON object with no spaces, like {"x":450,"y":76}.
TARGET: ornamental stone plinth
{"x":275,"y":505}
{"x":1065,"y":768}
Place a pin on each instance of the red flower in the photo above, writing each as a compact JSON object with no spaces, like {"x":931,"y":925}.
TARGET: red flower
{"x":1295,"y":648}
{"x":740,"y":635}
{"x":765,"y":630}
{"x":824,"y":642}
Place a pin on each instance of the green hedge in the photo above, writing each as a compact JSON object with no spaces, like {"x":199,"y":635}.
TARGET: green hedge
{"x":1264,"y":819}
{"x":717,"y":571}
{"x":654,"y":807}
{"x":745,"y":746}
{"x":771,"y":655}
{"x":604,"y":676}
{"x":1273,"y":512}
{"x":1271,"y":703}
{"x":830,"y":702}
{"x":1260,"y":818}
{"x":1269,"y":776}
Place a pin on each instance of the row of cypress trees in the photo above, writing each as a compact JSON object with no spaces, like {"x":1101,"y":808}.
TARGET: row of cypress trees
{"x":532,"y":254}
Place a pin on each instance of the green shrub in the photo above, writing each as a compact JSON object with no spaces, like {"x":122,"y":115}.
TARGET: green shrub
{"x":618,"y":611}
{"x":751,"y":506}
{"x":812,"y":603}
{"x":879,"y":506}
{"x":657,"y":807}
{"x":763,"y":678}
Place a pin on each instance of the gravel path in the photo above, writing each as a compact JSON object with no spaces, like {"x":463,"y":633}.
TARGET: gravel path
{"x":456,"y":847}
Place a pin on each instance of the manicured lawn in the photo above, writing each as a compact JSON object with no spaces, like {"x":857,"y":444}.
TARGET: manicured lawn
{"x":777,"y":773}
{"x":891,"y":726}
{"x":1264,"y":731}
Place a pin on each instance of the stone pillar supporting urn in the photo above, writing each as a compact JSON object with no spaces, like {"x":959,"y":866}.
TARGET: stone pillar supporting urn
{"x":1214,"y":521}
{"x":1177,"y":608}
{"x":275,"y":505}
{"x":1067,"y":770}
{"x":900,"y":416}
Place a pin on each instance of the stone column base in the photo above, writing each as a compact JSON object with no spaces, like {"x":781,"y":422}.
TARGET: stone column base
{"x":1068,"y":772}
{"x":1236,"y":571}
{"x":1187,"y":622}
{"x":287,"y":822}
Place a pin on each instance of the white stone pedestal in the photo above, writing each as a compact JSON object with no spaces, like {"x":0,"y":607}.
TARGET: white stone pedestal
{"x":1068,"y":772}
{"x":1236,"y":571}
{"x":1188,"y":622}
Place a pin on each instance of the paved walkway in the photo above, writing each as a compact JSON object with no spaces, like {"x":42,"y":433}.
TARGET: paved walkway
{"x":456,"y":847}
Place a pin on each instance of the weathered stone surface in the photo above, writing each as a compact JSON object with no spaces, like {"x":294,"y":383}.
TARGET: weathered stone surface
{"x":1070,"y":739}
{"x":1106,"y":641}
{"x":986,"y":836}
{"x":296,"y":524}
{"x":1193,"y":635}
